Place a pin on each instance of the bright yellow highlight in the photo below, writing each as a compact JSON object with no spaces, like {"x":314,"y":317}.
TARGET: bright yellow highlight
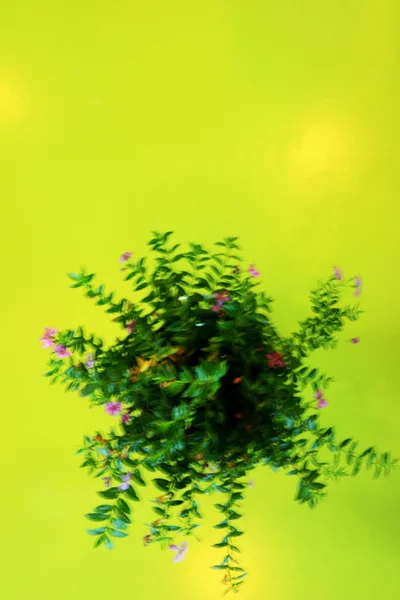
{"x":14,"y":101}
{"x":323,"y":147}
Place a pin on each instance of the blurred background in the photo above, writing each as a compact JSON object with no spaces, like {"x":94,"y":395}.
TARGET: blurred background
{"x":272,"y":121}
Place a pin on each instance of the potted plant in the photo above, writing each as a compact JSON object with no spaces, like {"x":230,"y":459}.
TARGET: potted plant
{"x":204,"y":389}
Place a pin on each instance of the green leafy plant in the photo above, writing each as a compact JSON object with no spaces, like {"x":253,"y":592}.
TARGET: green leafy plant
{"x":205,"y":389}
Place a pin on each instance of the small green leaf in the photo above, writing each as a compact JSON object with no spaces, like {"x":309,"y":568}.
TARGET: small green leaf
{"x":97,"y":531}
{"x":161,"y":484}
{"x":220,"y":545}
{"x":111,"y":493}
{"x":123,"y":506}
{"x":122,"y":516}
{"x":118,"y":524}
{"x":107,"y":543}
{"x":97,"y":517}
{"x":312,"y":374}
{"x":357,"y":467}
{"x":175,"y":388}
{"x":138,"y":478}
{"x":130,"y":492}
{"x":222,"y":525}
{"x":116,"y":533}
{"x":159,"y":510}
{"x":185,"y":375}
{"x":345,"y":443}
{"x":234,"y":515}
{"x":366,"y":452}
{"x":104,"y":508}
{"x":237,"y":496}
{"x":74,"y":276}
{"x":378,"y":471}
{"x":99,"y":541}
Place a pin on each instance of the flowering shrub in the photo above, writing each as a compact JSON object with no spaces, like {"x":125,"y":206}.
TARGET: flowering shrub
{"x":204,"y":389}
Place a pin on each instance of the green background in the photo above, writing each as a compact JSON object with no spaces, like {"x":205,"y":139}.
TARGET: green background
{"x":273,"y":121}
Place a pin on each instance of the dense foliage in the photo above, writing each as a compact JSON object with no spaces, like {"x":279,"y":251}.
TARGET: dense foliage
{"x":205,"y":390}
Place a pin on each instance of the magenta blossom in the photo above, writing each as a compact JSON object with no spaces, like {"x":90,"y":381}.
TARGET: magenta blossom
{"x":357,"y":282}
{"x":125,"y":481}
{"x":126,"y":418}
{"x":113,"y":408}
{"x":126,"y":256}
{"x":216,"y":308}
{"x":220,"y":298}
{"x":180,"y":551}
{"x":50,"y":331}
{"x":355,"y":340}
{"x":275,"y":360}
{"x":253,"y":271}
{"x":90,"y":362}
{"x":46,"y":342}
{"x":130,"y":326}
{"x":319,"y":395}
{"x":48,"y":337}
{"x":107,"y":481}
{"x":61,"y":351}
{"x":338,"y":273}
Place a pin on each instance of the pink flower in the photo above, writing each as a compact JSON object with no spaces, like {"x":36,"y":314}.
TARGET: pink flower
{"x":113,"y":408}
{"x":319,"y":395}
{"x":357,"y":282}
{"x":125,"y":257}
{"x":180,"y":551}
{"x":90,"y":362}
{"x":355,"y":340}
{"x":253,"y":271}
{"x":107,"y":481}
{"x":130,"y":326}
{"x":125,"y":481}
{"x":338,"y":273}
{"x":61,"y":351}
{"x":46,"y":342}
{"x":50,"y":332}
{"x":47,"y":338}
{"x":221,"y":298}
{"x":275,"y":360}
{"x":126,"y":418}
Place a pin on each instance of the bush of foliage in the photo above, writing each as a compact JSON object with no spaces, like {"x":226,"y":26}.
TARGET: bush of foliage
{"x":205,"y":389}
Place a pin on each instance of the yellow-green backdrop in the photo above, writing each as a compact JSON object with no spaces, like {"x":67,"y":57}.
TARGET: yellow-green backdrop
{"x":273,"y":121}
